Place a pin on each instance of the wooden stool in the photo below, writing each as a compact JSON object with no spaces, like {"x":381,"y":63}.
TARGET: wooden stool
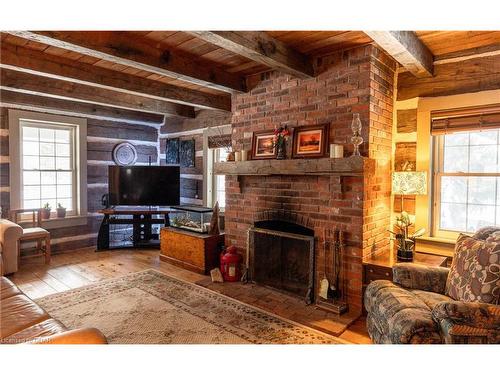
{"x":34,"y":234}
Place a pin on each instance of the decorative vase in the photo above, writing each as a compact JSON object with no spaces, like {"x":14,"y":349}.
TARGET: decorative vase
{"x":45,"y":214}
{"x":61,"y":212}
{"x":405,"y":255}
{"x":281,"y":150}
{"x":356,"y":138}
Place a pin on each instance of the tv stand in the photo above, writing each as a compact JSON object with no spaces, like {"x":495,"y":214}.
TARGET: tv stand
{"x":140,"y":218}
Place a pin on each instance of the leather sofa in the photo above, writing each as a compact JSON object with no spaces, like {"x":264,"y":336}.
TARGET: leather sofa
{"x":23,"y":321}
{"x":9,"y":253}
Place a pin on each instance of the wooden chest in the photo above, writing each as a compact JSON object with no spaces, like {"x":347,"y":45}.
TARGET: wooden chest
{"x":193,"y":251}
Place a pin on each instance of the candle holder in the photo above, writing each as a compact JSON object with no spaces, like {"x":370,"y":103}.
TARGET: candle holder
{"x":356,"y":138}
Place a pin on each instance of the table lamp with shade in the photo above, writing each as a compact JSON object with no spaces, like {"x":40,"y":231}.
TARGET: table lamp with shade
{"x":407,"y":183}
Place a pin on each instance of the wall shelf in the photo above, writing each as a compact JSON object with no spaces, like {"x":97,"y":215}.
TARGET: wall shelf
{"x":350,"y":166}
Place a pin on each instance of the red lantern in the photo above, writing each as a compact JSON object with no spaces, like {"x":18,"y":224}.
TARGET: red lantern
{"x":230,"y":265}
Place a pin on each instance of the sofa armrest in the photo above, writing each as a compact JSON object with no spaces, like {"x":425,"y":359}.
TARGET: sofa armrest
{"x":9,"y":235}
{"x":416,"y":276}
{"x":75,"y":336}
{"x":473,"y":314}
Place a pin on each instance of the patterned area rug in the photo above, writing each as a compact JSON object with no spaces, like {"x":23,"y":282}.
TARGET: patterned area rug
{"x":150,"y":307}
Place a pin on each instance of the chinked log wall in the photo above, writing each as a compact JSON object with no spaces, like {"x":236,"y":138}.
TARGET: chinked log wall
{"x":102,"y":136}
{"x":188,"y":129}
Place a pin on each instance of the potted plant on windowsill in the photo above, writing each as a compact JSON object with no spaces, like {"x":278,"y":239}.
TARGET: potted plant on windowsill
{"x":61,"y":211}
{"x":46,"y":211}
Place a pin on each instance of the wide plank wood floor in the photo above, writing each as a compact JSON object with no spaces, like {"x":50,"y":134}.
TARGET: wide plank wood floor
{"x":82,"y":267}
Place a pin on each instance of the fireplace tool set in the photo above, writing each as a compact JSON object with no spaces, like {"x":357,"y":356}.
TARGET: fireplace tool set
{"x":333,"y":288}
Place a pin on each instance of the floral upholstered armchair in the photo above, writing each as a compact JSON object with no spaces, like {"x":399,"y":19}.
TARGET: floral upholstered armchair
{"x":439,"y":305}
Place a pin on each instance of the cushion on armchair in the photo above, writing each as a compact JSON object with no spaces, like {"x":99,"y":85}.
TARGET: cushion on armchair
{"x":475,"y":270}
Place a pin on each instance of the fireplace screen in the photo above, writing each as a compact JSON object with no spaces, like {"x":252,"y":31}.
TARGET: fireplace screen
{"x":282,"y":260}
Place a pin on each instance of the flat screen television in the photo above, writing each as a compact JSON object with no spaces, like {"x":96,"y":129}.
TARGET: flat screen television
{"x":144,"y":186}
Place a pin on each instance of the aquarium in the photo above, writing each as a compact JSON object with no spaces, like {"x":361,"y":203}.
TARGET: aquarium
{"x":190,"y":217}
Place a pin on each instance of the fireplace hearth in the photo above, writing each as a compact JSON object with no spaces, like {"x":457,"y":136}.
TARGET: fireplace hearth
{"x":281,"y":256}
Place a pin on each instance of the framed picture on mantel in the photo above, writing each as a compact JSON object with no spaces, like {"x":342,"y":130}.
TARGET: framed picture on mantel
{"x":263,"y":145}
{"x":310,"y":141}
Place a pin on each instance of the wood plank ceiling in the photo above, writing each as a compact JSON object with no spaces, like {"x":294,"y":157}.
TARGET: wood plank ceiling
{"x":205,"y":68}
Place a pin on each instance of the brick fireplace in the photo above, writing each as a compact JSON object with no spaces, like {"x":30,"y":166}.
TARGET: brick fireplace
{"x":359,"y":80}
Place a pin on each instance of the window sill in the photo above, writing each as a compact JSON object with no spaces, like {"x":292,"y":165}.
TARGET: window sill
{"x":435,"y":246}
{"x":53,"y":223}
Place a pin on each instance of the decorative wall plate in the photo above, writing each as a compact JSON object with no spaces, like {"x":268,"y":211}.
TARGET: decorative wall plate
{"x":124,"y":153}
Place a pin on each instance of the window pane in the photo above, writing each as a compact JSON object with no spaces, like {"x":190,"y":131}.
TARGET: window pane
{"x":30,"y":148}
{"x":48,"y":191}
{"x":482,"y":190}
{"x":62,"y":163}
{"x":30,"y":134}
{"x":47,"y":149}
{"x":48,"y":178}
{"x":31,"y":192}
{"x":47,"y":135}
{"x":454,"y":189}
{"x":484,"y":138}
{"x":483,"y":159}
{"x":30,"y":162}
{"x":456,"y":159}
{"x":479,"y":216}
{"x":64,"y":178}
{"x":62,"y":149}
{"x":66,"y":203}
{"x":47,"y":162}
{"x":453,"y":216}
{"x":456,"y":139}
{"x":63,"y":136}
{"x":64,"y":191}
{"x":31,"y":178}
{"x":32,"y":204}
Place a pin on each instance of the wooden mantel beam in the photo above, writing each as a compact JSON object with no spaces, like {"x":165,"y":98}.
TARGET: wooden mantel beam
{"x":30,"y":102}
{"x":122,"y":48}
{"x":44,"y":86}
{"x":407,"y":49}
{"x":37,"y":62}
{"x":260,"y":47}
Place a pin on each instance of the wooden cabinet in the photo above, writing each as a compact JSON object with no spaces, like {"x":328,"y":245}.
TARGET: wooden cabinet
{"x":193,"y":251}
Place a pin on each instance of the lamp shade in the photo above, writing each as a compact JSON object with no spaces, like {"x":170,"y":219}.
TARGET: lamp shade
{"x":409,"y":183}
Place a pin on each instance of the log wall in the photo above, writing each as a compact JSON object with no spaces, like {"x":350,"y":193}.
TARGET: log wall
{"x":102,"y":136}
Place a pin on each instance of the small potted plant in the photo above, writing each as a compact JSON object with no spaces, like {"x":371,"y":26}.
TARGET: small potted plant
{"x":46,"y":211}
{"x":404,"y":241}
{"x":61,"y":211}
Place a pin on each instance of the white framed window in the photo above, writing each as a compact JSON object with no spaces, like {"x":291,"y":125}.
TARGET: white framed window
{"x":219,"y":181}
{"x":466,"y":192}
{"x":48,"y":161}
{"x":49,"y":171}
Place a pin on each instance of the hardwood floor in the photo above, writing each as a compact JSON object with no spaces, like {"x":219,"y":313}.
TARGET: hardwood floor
{"x":82,"y":267}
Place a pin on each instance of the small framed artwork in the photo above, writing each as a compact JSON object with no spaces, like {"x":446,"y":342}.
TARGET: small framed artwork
{"x":310,"y":141}
{"x":172,"y":151}
{"x":263,"y":145}
{"x":187,"y":153}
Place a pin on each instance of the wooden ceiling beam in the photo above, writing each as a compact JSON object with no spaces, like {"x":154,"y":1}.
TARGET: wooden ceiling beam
{"x":468,"y":54}
{"x":55,"y":88}
{"x":124,"y":49}
{"x":407,"y":49}
{"x":40,"y":63}
{"x":262,"y":48}
{"x":30,"y":102}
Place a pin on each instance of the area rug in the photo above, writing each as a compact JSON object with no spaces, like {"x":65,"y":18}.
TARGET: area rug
{"x":149,"y":307}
